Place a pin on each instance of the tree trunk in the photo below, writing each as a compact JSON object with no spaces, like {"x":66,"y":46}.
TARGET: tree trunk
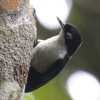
{"x":17,"y":36}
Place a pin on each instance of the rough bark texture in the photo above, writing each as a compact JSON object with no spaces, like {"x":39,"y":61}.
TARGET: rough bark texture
{"x":17,"y":36}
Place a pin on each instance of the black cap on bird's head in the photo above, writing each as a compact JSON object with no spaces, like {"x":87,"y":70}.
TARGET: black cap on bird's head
{"x":71,"y":35}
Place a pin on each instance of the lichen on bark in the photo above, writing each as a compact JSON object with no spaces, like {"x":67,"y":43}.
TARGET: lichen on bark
{"x":17,"y":36}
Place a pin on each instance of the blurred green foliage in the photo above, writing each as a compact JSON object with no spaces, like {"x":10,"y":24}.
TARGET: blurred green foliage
{"x":87,"y":19}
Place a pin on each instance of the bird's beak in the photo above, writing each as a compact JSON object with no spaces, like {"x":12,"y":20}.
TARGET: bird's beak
{"x":61,"y":23}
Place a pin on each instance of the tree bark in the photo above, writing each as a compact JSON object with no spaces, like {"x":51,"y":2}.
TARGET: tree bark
{"x":17,"y":37}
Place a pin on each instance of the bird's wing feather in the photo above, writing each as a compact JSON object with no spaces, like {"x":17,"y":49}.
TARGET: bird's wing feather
{"x":54,"y":70}
{"x":36,"y":79}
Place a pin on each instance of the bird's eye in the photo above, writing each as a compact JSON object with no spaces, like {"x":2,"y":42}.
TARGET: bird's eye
{"x":69,"y":36}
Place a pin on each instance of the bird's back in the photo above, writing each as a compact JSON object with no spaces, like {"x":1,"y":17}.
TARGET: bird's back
{"x":46,"y":53}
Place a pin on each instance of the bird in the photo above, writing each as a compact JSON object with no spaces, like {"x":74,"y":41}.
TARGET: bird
{"x":51,"y":55}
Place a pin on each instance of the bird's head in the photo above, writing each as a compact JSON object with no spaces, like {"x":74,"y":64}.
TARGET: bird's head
{"x":71,"y":35}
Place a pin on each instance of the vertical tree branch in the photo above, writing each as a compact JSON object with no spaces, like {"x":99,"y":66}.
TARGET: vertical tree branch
{"x":17,"y":36}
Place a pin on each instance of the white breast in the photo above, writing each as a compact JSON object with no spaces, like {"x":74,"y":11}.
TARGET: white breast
{"x":47,"y":52}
